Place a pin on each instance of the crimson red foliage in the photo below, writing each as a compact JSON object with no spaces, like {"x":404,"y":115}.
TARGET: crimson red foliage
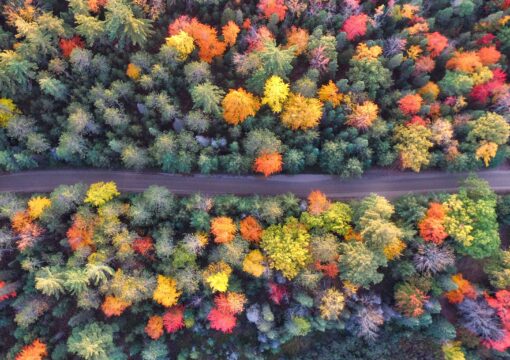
{"x":501,"y":303}
{"x":277,"y":293}
{"x":355,"y":26}
{"x":5,"y":296}
{"x":330,"y":269}
{"x":222,"y":321}
{"x":173,"y":319}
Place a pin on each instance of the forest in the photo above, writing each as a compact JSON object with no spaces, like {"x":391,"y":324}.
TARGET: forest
{"x":267,"y":86}
{"x":90,"y":273}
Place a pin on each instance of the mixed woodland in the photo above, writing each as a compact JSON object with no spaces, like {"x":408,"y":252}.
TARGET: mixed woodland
{"x":264,"y":86}
{"x":89,"y":273}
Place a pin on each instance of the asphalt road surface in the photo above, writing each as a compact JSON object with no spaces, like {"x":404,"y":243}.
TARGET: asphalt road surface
{"x":389,"y":183}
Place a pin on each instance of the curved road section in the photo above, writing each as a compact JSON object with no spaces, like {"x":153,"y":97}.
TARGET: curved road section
{"x":388,"y":183}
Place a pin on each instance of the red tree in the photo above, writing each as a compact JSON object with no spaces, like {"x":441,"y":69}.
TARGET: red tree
{"x":355,"y":26}
{"x":173,"y":319}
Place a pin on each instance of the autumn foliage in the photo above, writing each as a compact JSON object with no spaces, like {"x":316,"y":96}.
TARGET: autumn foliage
{"x":154,"y":327}
{"x":410,"y":104}
{"x":317,"y":202}
{"x":270,"y":7}
{"x":250,"y":229}
{"x":222,"y":316}
{"x":80,"y":233}
{"x":238,"y":105}
{"x":222,"y":321}
{"x":355,"y":26}
{"x":68,"y":45}
{"x":173,"y":319}
{"x":436,"y":43}
{"x":268,"y":163}
{"x":363,"y":115}
{"x":26,"y":229}
{"x":230,"y":32}
{"x":7,"y":295}
{"x":464,"y":289}
{"x":301,"y":113}
{"x":410,"y":300}
{"x":143,"y":246}
{"x":114,"y":306}
{"x":501,"y":303}
{"x":223,"y":229}
{"x":432,"y":225}
{"x":204,"y":35}
{"x":34,"y":351}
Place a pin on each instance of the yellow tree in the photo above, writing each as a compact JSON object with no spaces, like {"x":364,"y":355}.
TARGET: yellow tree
{"x":182,"y":43}
{"x":166,"y":292}
{"x":413,"y":144}
{"x":7,"y":110}
{"x":301,"y":113}
{"x":37,"y":205}
{"x":238,"y":105}
{"x":363,"y":115}
{"x":275,"y":93}
{"x":100,"y":193}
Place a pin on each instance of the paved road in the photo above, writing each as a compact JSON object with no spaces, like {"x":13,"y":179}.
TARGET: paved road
{"x":389,"y":183}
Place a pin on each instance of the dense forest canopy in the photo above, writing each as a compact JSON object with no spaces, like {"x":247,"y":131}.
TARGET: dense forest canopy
{"x":333,"y":86}
{"x":89,"y":273}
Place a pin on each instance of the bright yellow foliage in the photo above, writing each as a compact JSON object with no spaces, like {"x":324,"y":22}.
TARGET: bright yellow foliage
{"x":133,"y":71}
{"x":329,"y":92}
{"x":166,"y":292}
{"x":253,"y":263}
{"x":183,"y":43}
{"x":413,"y":144}
{"x":364,"y":52}
{"x":275,"y":93}
{"x":238,"y":105}
{"x":100,"y":193}
{"x":487,"y":151}
{"x":216,"y":276}
{"x":332,"y":304}
{"x":7,"y":110}
{"x":301,"y":113}
{"x":37,"y":205}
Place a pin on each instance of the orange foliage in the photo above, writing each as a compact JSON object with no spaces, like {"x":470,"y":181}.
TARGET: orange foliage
{"x":230,"y":32}
{"x":143,"y":246}
{"x":68,"y":45}
{"x":464,"y":61}
{"x":27,"y":231}
{"x":330,"y":269}
{"x":317,"y":203}
{"x":154,"y":328}
{"x":80,"y":233}
{"x":238,"y":105}
{"x":96,"y":5}
{"x":230,"y":302}
{"x":173,"y":319}
{"x":250,"y":229}
{"x":35,"y":351}
{"x":489,"y":55}
{"x":270,"y":7}
{"x":114,"y":306}
{"x":363,"y":115}
{"x":410,"y":104}
{"x":268,"y":164}
{"x":329,"y":92}
{"x":299,"y":38}
{"x":223,"y":229}
{"x":464,"y":289}
{"x":205,"y":36}
{"x":431,"y":226}
{"x":436,"y":43}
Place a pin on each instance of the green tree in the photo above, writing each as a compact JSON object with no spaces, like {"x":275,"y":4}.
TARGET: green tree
{"x":207,"y":97}
{"x":359,"y":265}
{"x":123,"y":26}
